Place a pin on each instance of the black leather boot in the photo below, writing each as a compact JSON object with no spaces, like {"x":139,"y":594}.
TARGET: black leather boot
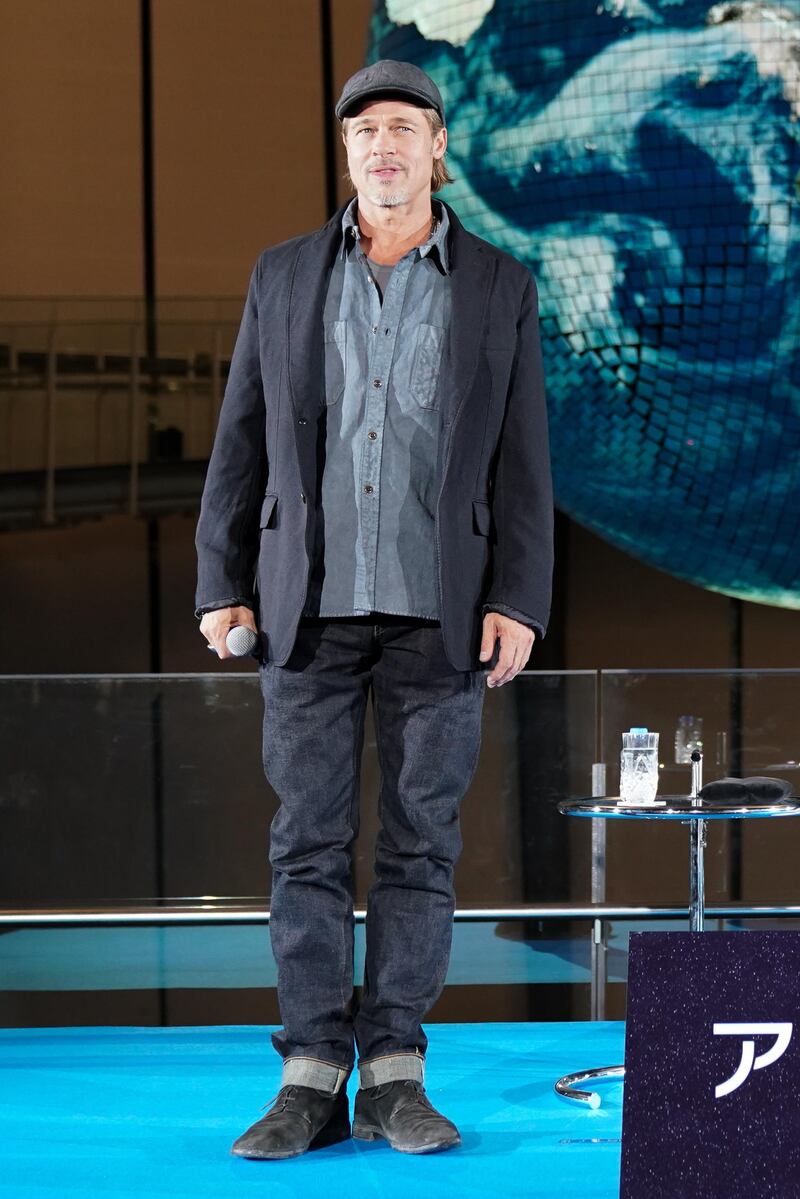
{"x":402,"y":1114}
{"x":301,"y":1118}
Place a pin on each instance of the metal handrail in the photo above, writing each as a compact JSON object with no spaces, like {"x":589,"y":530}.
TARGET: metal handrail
{"x":201,"y":913}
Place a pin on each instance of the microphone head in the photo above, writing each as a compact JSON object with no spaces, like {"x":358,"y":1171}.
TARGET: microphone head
{"x":241,"y":641}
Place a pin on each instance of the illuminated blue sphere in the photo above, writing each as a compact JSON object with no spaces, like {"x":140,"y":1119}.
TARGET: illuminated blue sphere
{"x":642,"y":157}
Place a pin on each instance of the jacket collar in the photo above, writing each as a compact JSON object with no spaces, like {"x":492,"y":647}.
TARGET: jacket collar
{"x":435,"y":245}
{"x":471,"y":271}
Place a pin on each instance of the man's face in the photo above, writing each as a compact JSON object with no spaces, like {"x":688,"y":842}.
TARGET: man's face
{"x":390,"y":152}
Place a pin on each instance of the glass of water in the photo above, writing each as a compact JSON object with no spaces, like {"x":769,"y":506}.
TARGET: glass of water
{"x":638,"y":780}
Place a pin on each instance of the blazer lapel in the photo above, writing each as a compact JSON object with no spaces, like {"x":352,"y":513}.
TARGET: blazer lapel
{"x":471,"y":274}
{"x":304,"y":313}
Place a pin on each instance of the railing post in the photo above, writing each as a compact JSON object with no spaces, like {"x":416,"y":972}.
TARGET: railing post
{"x":133,"y":425}
{"x":50,"y":429}
{"x":191,"y":400}
{"x":216,"y":383}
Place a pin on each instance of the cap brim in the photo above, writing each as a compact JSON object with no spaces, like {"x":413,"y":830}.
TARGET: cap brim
{"x":346,"y":109}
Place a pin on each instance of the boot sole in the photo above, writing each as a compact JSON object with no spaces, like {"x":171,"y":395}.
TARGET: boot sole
{"x":370,"y":1132}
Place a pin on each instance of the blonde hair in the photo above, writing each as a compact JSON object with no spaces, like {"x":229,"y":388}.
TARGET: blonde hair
{"x":440,"y":175}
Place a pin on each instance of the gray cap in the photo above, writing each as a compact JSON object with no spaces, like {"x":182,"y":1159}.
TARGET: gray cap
{"x":389,"y":78}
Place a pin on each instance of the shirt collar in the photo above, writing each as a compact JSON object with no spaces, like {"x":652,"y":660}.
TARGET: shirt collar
{"x":351,"y":234}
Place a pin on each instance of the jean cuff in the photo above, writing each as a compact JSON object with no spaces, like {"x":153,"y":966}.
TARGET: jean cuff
{"x":312,"y":1072}
{"x":393,"y":1067}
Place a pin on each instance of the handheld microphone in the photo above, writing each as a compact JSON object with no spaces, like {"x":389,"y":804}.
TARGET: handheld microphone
{"x":241,"y":641}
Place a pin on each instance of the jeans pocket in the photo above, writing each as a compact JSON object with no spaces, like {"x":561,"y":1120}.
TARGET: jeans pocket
{"x":335,"y":360}
{"x":425,"y":368}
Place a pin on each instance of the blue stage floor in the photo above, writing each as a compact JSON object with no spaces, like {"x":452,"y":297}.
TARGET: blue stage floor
{"x":94,"y":1113}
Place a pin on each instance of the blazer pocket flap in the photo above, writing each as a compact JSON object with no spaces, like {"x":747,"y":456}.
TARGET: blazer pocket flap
{"x":482,"y":517}
{"x":267,"y":506}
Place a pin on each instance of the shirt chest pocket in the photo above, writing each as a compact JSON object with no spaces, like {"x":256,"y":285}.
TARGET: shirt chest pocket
{"x":426,"y":362}
{"x":335,"y":360}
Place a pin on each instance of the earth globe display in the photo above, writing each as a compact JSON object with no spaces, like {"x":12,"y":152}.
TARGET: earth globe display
{"x":643,"y":160}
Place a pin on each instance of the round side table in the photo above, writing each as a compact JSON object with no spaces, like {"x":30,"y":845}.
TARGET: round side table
{"x":693,"y":811}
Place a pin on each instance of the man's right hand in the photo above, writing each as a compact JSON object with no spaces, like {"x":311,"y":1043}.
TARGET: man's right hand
{"x":216,"y":625}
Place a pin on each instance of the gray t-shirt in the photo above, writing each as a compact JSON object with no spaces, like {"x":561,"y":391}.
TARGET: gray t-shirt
{"x":381,"y":274}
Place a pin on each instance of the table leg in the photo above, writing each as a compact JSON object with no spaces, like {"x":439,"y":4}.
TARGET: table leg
{"x":697,"y":877}
{"x":598,"y":934}
{"x":599,"y":970}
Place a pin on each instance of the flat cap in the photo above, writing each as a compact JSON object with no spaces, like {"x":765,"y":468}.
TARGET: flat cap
{"x":389,"y":78}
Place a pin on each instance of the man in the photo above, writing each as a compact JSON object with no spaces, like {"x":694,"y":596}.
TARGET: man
{"x":378,"y":510}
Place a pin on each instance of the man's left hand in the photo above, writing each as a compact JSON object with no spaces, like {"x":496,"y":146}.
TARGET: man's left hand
{"x":516,"y":641}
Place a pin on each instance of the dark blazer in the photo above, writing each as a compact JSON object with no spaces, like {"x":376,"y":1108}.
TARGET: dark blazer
{"x":494,"y":514}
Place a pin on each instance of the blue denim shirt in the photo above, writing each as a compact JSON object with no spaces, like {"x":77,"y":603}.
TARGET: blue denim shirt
{"x":375,"y":544}
{"x":375,"y":548}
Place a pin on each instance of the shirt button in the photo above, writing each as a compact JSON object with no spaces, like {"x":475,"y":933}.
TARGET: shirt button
{"x":376,"y":382}
{"x":372,"y":435}
{"x":374,"y":328}
{"x":368,"y":487}
{"x":303,"y":496}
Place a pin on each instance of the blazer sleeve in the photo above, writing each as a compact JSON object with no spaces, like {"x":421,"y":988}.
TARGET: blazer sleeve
{"x":522,"y":493}
{"x":515,"y":614}
{"x":227,"y":531}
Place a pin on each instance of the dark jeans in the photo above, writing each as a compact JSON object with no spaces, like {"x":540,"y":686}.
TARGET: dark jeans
{"x":427,"y":719}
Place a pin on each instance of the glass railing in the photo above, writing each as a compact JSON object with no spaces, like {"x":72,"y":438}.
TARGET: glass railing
{"x":142,"y":788}
{"x":136,"y":818}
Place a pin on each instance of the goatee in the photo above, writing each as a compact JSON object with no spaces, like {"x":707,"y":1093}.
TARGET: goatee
{"x":389,"y":199}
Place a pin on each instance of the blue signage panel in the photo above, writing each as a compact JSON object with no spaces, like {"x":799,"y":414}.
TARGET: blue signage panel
{"x":712,"y":1066}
